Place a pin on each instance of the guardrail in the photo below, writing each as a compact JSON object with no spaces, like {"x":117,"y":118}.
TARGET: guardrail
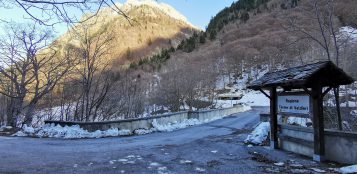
{"x":146,"y":123}
{"x":339,"y":146}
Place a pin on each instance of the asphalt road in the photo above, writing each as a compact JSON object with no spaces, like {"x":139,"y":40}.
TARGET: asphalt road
{"x":215,"y":147}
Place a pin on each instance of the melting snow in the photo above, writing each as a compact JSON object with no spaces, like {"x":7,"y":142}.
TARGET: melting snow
{"x":68,"y":132}
{"x":259,"y":134}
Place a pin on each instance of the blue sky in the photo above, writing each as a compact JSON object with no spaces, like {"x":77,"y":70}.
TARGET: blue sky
{"x":198,"y":12}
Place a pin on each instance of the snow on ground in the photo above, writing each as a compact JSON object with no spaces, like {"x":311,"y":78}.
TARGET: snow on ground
{"x":349,"y":169}
{"x":255,"y":98}
{"x":259,"y":134}
{"x":68,"y":132}
{"x":72,"y":132}
{"x":298,"y":121}
{"x":225,"y":103}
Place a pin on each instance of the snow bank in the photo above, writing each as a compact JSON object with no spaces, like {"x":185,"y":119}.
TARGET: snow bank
{"x":349,"y":169}
{"x":259,"y":134}
{"x":72,"y":132}
{"x":68,"y":132}
{"x":174,"y":126}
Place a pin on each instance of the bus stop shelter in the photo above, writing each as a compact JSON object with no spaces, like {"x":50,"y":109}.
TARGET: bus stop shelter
{"x":313,"y":80}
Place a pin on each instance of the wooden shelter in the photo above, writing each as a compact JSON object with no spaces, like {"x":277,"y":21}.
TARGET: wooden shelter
{"x":311,"y":79}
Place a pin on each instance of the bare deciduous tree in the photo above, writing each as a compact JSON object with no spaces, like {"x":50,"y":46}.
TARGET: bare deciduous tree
{"x":29,"y":69}
{"x":50,"y":12}
{"x":95,"y":78}
{"x":323,"y":30}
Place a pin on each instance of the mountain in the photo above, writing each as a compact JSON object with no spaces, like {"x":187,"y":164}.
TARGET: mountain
{"x":242,"y":42}
{"x":150,"y":27}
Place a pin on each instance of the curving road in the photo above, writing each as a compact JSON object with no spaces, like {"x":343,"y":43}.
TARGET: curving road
{"x":215,"y":147}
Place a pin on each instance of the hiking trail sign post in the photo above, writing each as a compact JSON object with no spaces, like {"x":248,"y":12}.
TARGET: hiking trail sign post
{"x":303,"y":89}
{"x":292,"y":103}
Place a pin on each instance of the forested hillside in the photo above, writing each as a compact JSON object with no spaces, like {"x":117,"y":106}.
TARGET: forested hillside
{"x":147,"y":76}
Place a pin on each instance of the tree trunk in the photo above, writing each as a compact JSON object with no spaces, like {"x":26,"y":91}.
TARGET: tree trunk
{"x":337,"y":98}
{"x":29,"y":113}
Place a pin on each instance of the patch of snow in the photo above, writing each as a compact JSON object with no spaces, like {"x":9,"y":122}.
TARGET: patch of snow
{"x":318,"y":170}
{"x":259,"y":134}
{"x":68,"y":132}
{"x":122,"y":160}
{"x":154,"y":164}
{"x":348,"y":169}
{"x":28,"y":130}
{"x":198,"y":169}
{"x":279,"y":164}
{"x":298,"y":121}
{"x":214,"y":151}
{"x":142,"y":131}
{"x":185,"y":161}
{"x":174,"y":126}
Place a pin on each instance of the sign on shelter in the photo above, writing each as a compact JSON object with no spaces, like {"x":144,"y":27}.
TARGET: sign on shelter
{"x":295,"y":104}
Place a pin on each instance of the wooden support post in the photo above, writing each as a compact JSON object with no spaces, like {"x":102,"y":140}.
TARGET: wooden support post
{"x":318,"y":124}
{"x":273,"y":119}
